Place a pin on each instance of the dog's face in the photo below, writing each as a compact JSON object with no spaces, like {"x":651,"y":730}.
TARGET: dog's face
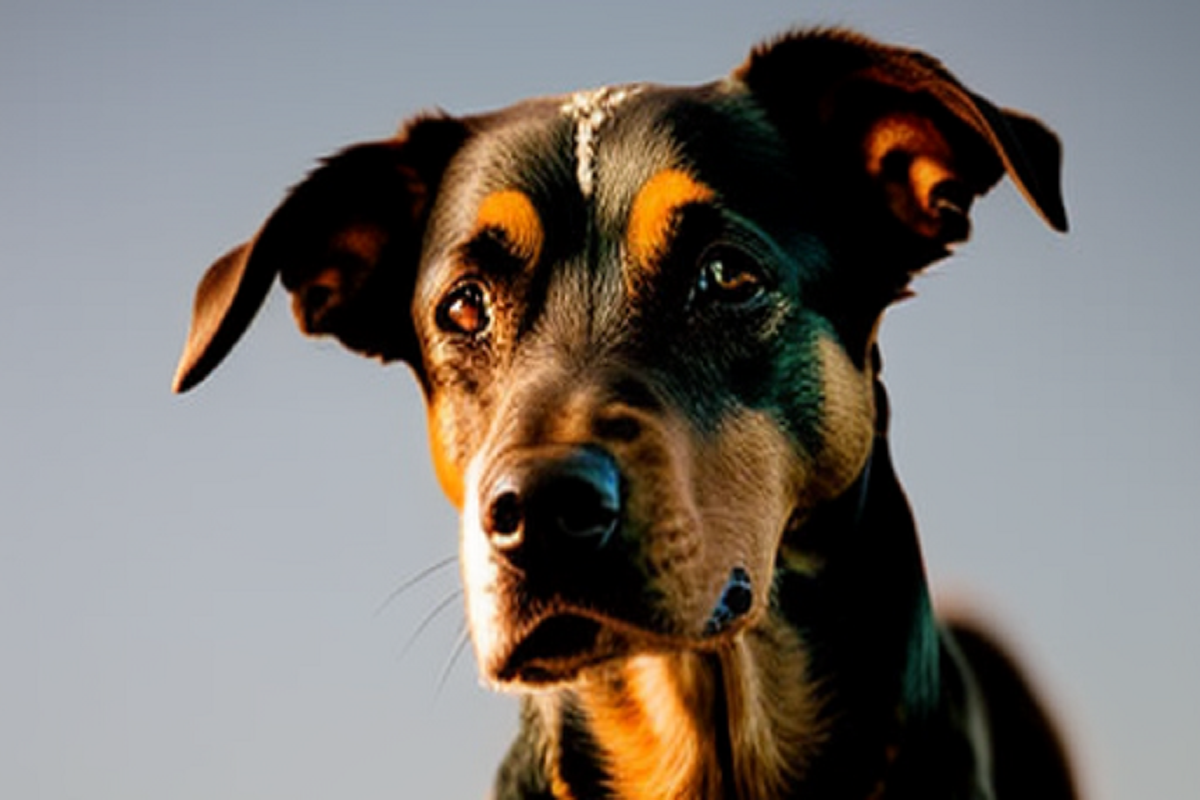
{"x":642,"y":318}
{"x":630,"y":392}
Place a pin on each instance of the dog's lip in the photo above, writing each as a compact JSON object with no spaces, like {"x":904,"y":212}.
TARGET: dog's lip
{"x":557,"y":645}
{"x":556,"y":648}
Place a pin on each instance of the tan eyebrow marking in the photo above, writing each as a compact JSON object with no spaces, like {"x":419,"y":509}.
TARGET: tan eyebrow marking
{"x":511,"y":212}
{"x":652,"y":217}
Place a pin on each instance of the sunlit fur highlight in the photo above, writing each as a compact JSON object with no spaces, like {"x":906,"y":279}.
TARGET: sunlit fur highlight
{"x":773,"y":709}
{"x":653,"y":717}
{"x":511,"y":213}
{"x":652,"y":216}
{"x":848,"y":421}
{"x":448,"y":473}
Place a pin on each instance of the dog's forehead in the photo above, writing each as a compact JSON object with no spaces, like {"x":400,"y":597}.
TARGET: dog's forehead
{"x":580,"y":160}
{"x":591,"y":111}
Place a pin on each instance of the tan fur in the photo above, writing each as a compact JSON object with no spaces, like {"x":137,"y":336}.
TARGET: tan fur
{"x":650,"y":715}
{"x":512,"y":214}
{"x":653,"y":718}
{"x":651,"y":218}
{"x":928,"y":161}
{"x":773,"y":709}
{"x":848,"y":421}
{"x":445,"y":467}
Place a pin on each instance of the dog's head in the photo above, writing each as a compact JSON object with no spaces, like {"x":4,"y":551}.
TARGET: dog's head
{"x":642,"y":318}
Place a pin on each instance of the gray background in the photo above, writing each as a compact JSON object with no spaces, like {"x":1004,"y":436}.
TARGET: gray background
{"x":188,"y":586}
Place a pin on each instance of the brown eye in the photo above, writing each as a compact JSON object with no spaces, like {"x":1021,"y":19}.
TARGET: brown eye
{"x":729,"y":275}
{"x":464,"y":310}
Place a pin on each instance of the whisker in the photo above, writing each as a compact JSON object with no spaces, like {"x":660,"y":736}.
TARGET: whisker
{"x":429,"y":618}
{"x":414,"y":580}
{"x":459,"y":646}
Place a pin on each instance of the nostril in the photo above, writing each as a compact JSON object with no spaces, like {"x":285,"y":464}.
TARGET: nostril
{"x":554,"y":501}
{"x":586,"y":500}
{"x":586,"y":511}
{"x":505,"y":516}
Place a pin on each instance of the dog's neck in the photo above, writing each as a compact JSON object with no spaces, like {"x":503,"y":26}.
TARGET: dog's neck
{"x":772,"y":715}
{"x":878,"y":655}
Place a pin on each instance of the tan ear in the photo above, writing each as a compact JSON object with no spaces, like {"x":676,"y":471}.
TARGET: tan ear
{"x":896,"y":123}
{"x":225,"y":303}
{"x":345,"y":243}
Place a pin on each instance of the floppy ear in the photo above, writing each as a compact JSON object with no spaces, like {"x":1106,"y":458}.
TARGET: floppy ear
{"x":893,"y":138}
{"x":345,"y":242}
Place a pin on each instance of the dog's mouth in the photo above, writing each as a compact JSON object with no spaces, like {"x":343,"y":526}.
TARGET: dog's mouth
{"x":558,"y":647}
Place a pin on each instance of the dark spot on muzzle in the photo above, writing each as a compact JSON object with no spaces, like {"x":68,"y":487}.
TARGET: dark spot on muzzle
{"x":736,"y":599}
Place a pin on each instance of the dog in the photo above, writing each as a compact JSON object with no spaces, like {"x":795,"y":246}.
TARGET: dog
{"x":645,"y":322}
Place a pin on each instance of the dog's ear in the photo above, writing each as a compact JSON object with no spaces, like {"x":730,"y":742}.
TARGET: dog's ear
{"x":345,"y":243}
{"x":893,"y":138}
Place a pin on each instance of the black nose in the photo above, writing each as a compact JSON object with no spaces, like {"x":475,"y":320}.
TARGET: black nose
{"x":553,"y":500}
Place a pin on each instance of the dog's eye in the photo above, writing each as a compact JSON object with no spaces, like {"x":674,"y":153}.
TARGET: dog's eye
{"x":728,"y":274}
{"x":464,"y":310}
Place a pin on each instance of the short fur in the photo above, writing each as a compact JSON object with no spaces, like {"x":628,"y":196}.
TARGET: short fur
{"x":644,"y":320}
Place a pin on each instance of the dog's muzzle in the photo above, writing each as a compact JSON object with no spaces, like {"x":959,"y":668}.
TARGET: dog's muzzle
{"x":554,"y":583}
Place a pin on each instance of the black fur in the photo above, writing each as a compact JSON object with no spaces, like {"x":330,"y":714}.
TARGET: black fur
{"x":740,"y":345}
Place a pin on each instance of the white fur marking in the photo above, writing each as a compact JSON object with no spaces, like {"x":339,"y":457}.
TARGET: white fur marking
{"x":478,"y":570}
{"x":591,"y":110}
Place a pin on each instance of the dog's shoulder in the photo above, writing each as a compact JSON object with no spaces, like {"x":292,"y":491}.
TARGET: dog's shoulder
{"x":1027,"y":757}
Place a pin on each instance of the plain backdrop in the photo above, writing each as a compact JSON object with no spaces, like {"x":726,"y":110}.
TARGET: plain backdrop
{"x":194,"y":591}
